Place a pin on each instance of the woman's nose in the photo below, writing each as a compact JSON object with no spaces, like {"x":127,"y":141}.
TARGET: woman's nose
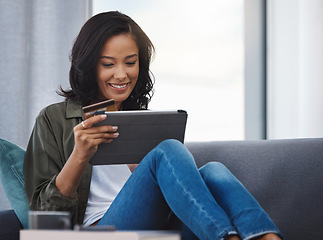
{"x":120,"y":73}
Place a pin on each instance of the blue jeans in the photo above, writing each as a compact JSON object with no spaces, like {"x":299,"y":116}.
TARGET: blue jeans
{"x":167,"y":191}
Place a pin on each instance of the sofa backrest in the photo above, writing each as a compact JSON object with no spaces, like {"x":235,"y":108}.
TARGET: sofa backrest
{"x":285,"y":176}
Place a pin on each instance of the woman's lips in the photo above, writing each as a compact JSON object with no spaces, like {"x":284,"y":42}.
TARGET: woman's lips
{"x":119,"y":87}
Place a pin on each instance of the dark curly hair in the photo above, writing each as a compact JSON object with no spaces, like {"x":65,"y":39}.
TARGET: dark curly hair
{"x":87,"y":50}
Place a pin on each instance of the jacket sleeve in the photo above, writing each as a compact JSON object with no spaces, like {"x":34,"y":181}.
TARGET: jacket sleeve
{"x":44,"y":160}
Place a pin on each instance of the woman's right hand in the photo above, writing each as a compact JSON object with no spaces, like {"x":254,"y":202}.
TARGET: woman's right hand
{"x":87,"y":137}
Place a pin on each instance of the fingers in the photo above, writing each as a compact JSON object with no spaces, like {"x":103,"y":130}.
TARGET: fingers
{"x":93,"y":120}
{"x":87,"y":124}
{"x":99,"y":129}
{"x":104,"y":135}
{"x":87,"y":140}
{"x":87,"y":137}
{"x":86,"y":129}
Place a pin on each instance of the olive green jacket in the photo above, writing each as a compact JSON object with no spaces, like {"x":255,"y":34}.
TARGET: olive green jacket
{"x":50,"y":145}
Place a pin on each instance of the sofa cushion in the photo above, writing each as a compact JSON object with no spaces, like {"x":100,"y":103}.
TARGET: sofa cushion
{"x":9,"y":225}
{"x":12,"y":178}
{"x":284,"y":175}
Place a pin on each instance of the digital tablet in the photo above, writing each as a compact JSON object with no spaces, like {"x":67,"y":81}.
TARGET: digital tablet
{"x":140,"y":132}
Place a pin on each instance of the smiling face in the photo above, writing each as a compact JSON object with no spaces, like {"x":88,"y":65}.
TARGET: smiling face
{"x":118,"y":68}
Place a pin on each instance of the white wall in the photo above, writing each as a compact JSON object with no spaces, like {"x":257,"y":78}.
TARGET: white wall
{"x":294,"y":70}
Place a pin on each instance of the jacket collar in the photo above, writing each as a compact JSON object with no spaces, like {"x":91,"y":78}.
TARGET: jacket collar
{"x":74,"y":110}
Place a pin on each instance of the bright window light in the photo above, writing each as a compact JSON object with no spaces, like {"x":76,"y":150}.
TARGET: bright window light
{"x":198,"y":64}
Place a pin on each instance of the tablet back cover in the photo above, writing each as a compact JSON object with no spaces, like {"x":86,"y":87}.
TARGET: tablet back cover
{"x":140,"y":132}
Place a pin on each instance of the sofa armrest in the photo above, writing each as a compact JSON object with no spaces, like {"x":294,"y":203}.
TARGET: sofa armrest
{"x":9,"y":225}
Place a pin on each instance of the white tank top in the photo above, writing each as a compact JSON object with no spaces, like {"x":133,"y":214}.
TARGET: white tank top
{"x":106,"y":182}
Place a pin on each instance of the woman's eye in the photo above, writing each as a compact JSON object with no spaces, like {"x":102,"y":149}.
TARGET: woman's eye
{"x":107,"y":64}
{"x":131,"y":63}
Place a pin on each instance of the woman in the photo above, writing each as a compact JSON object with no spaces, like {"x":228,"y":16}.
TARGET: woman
{"x":110,"y":60}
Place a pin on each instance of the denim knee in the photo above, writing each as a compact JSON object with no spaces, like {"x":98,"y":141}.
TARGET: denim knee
{"x":217,"y":172}
{"x":173,"y":149}
{"x":213,"y":167}
{"x":160,"y":151}
{"x":170,"y":143}
{"x":172,"y":152}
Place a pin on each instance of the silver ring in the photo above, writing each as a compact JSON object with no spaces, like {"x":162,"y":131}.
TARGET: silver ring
{"x":83,"y":124}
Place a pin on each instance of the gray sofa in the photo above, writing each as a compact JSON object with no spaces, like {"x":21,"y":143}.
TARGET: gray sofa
{"x":285,"y":176}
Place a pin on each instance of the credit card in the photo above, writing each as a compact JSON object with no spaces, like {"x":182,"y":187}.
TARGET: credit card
{"x":106,"y":106}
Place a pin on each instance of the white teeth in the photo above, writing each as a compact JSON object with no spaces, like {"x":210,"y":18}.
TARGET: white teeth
{"x":118,"y":86}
